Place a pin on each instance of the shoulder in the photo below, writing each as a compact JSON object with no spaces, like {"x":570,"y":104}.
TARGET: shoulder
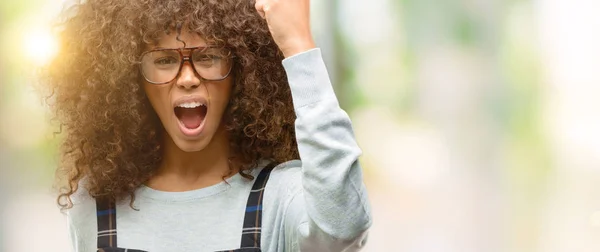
{"x":283,"y":188}
{"x":287,"y":175}
{"x":294,"y":165}
{"x":83,"y":209}
{"x":285,"y":181}
{"x":81,"y":219}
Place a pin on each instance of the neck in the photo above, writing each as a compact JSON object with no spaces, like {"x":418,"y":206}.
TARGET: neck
{"x":182,"y":171}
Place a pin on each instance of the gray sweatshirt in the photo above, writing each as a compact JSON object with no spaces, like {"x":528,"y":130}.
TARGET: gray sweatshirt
{"x":317,"y":204}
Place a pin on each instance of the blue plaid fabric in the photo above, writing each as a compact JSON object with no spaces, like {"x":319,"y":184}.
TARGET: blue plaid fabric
{"x":251,"y":233}
{"x":106,"y":215}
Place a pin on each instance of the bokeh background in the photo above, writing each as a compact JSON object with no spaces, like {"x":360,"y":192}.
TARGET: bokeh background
{"x":478,"y":120}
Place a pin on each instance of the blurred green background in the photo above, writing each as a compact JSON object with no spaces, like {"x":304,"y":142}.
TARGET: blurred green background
{"x":478,"y":121}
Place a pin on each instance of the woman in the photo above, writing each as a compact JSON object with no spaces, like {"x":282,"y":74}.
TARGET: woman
{"x":185,"y":122}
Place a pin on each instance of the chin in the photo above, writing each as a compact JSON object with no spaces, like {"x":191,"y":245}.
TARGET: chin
{"x":191,"y":146}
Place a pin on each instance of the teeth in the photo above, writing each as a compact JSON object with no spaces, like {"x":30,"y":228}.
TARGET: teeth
{"x":190,"y":105}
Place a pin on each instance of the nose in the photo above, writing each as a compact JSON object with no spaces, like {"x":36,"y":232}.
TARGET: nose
{"x":188,"y":79}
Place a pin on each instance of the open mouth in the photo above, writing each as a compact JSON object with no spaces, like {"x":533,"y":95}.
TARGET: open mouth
{"x":191,"y":114}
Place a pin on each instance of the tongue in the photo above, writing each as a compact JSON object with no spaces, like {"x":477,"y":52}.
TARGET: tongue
{"x":191,"y":117}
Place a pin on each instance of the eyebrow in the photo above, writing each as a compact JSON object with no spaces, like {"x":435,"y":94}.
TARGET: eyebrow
{"x":170,"y":48}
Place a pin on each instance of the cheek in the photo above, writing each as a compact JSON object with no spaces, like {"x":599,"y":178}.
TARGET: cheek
{"x":158,"y":97}
{"x":220,"y":93}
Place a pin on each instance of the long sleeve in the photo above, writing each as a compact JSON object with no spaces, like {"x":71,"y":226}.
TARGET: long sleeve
{"x":331,"y":212}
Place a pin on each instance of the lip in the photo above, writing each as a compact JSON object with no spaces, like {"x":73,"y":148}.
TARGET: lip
{"x":190,"y":98}
{"x":191,"y":133}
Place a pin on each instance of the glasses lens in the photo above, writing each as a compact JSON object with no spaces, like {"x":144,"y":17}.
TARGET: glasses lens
{"x":212,"y":63}
{"x":161,"y":66}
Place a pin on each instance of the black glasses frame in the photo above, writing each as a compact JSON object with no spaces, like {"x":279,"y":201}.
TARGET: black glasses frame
{"x":183,"y":60}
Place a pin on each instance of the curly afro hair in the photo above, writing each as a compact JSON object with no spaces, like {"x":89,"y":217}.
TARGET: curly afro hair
{"x":112,"y":136}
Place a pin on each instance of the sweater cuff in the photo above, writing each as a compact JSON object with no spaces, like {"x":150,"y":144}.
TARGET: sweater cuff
{"x":308,"y":78}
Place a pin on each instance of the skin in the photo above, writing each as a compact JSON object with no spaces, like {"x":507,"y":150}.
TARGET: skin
{"x":190,"y":162}
{"x":196,"y":162}
{"x":289,"y":23}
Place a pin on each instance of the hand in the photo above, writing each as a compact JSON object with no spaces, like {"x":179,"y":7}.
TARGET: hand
{"x":289,"y":23}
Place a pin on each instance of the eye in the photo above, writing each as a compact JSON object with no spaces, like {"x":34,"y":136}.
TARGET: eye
{"x":207,"y":58}
{"x":164,"y":61}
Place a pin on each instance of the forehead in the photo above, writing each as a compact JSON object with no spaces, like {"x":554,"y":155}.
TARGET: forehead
{"x":183,"y":39}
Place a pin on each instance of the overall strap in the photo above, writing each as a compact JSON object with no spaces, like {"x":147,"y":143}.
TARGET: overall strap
{"x":253,"y":217}
{"x":107,"y":223}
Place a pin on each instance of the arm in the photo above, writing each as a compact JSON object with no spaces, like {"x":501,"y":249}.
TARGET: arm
{"x":331,"y":212}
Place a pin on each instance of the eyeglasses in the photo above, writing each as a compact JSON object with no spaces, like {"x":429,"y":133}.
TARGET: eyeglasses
{"x":162,"y":66}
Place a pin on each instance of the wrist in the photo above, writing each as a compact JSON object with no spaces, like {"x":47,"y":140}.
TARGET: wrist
{"x":294,"y":47}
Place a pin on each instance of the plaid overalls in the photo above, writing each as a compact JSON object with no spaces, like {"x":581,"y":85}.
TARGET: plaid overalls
{"x":107,"y":220}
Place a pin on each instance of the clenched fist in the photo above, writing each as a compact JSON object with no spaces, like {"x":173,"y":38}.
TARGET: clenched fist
{"x":289,"y":23}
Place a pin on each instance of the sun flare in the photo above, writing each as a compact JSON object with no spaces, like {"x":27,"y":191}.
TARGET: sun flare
{"x":40,"y":46}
